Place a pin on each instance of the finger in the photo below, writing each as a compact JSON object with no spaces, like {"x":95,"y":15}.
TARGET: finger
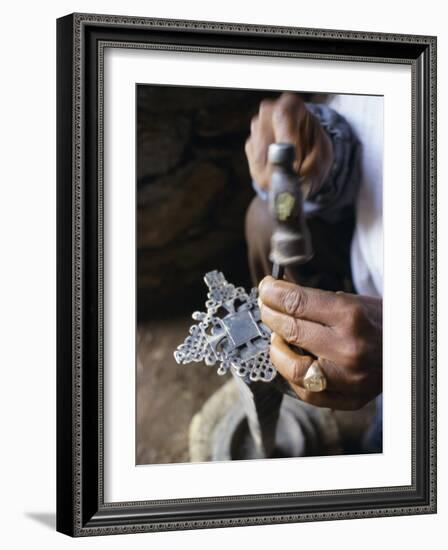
{"x":265,"y":111}
{"x":260,"y":138}
{"x":301,"y":302}
{"x":319,"y":153}
{"x":248,"y":148}
{"x":290,"y":365}
{"x":313,"y":337}
{"x":293,"y":367}
{"x":286,"y":118}
{"x":262,"y":132}
{"x":254,"y":124}
{"x":257,"y":165}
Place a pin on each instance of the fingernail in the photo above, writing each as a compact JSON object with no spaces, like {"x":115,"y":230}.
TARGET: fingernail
{"x":260,"y":303}
{"x":272,"y":336}
{"x":263,"y":283}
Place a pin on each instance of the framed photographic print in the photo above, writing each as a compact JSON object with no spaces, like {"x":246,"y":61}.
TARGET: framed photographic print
{"x":246,"y":274}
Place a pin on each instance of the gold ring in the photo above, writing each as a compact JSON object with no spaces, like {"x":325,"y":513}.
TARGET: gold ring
{"x":314,"y":379}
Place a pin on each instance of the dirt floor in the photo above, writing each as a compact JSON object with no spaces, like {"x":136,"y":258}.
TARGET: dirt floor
{"x":168,"y":394}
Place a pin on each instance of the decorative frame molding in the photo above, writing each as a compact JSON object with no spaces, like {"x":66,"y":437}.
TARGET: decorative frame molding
{"x":81,"y":510}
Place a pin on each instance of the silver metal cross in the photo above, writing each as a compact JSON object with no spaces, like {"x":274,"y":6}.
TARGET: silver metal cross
{"x":229,"y":333}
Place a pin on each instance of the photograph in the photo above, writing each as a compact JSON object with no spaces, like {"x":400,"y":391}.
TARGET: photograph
{"x":259,"y":274}
{"x":246,"y":224}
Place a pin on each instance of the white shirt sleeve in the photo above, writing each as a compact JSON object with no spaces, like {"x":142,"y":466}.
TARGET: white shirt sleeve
{"x":365,"y":115}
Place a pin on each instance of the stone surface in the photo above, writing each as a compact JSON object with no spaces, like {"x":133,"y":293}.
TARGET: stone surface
{"x":193,"y":188}
{"x":168,"y":394}
{"x":161,"y":143}
{"x":236,"y":119}
{"x":179,"y":204}
{"x":178,"y":407}
{"x":154,"y":98}
{"x":171,"y":280}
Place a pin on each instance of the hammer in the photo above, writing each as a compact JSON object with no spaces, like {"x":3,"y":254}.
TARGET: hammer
{"x":291,"y":240}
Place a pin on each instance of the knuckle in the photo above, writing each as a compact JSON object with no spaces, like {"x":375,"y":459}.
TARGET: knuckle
{"x":292,"y":332}
{"x":341,"y":305}
{"x":355,"y":316}
{"x":356,"y":351}
{"x":265,"y":106}
{"x":282,"y":112}
{"x":294,"y":302}
{"x":291,"y":99}
{"x":253,"y":124}
{"x":292,"y":96}
{"x":288,"y":104}
{"x":296,"y":372}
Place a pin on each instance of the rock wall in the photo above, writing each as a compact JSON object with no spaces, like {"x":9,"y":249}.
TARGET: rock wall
{"x":193,"y":188}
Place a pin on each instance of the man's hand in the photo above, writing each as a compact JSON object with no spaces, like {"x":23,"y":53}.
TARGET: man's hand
{"x":344,"y":331}
{"x":288,"y":120}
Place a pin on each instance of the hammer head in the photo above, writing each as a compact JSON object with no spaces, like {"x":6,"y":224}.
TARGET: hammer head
{"x":291,"y":239}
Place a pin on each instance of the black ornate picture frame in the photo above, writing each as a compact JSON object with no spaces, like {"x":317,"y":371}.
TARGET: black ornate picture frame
{"x":81,"y":509}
